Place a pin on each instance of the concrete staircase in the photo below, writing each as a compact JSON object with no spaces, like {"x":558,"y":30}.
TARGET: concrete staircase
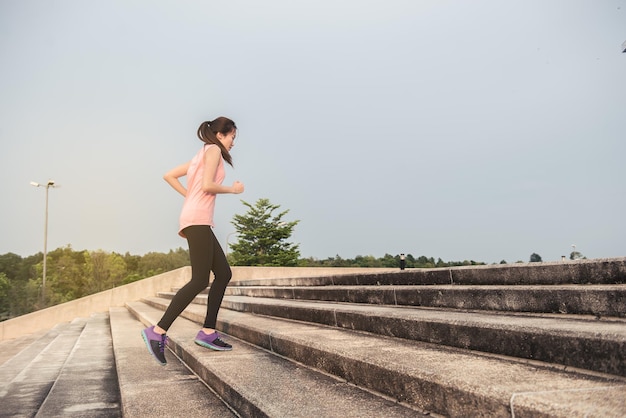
{"x":61,"y":372}
{"x":532,"y":340}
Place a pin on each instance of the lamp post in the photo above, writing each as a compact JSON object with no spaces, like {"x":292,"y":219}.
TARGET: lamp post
{"x":49,"y":184}
{"x":227,"y":238}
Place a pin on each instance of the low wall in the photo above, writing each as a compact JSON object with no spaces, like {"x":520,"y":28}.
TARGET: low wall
{"x":248,"y":273}
{"x":47,"y":318}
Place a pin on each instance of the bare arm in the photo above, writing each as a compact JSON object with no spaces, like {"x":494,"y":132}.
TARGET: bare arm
{"x":172,"y":178}
{"x":211,"y":161}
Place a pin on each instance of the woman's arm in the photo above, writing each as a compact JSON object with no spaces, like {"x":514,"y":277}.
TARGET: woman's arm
{"x":172,"y":177}
{"x":211,"y":161}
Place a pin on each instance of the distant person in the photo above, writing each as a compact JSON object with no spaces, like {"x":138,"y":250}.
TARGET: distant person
{"x":402,"y":261}
{"x":205,"y":174}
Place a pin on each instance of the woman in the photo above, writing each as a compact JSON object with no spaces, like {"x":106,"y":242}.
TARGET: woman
{"x":205,"y":174}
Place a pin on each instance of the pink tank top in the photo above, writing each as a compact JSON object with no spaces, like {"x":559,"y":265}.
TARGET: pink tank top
{"x":199,"y":206}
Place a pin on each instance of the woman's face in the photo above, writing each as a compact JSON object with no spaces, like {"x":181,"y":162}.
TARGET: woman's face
{"x":227,"y":140}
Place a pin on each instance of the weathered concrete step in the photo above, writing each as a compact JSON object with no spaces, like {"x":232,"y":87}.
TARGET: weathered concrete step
{"x":598,"y":345}
{"x":600,"y":300}
{"x":87,"y":383}
{"x":11,"y":348}
{"x":444,"y":380}
{"x":598,"y":271}
{"x":148,"y":389}
{"x":257,"y":383}
{"x":26,"y":379}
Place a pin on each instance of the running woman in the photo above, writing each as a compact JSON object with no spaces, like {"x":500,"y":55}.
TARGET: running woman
{"x":205,"y":175}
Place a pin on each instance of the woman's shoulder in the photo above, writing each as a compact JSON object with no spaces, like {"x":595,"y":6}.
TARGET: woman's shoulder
{"x":211,"y":148}
{"x":211,"y":151}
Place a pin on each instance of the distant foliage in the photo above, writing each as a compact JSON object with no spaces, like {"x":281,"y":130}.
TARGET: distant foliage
{"x":576,"y":255}
{"x":73,"y":274}
{"x":535,"y":258}
{"x":387,"y":260}
{"x":4,"y":296}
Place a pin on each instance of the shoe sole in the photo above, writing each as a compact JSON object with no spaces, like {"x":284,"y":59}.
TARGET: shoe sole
{"x":212,"y":347}
{"x":147,"y":341}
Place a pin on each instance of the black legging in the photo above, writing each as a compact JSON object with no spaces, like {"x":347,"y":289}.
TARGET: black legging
{"x":205,"y":255}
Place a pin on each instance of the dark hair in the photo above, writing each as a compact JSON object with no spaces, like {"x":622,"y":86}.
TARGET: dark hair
{"x":208,"y":130}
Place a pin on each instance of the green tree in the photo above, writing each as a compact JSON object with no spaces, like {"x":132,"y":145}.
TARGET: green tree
{"x":425,"y":262}
{"x":575,"y":255}
{"x":5,"y":306}
{"x":19,"y":296}
{"x":156,"y":263}
{"x":66,"y":279}
{"x":104,"y":270}
{"x":10,"y":265}
{"x":10,"y":284}
{"x":362,"y":261}
{"x":535,"y":258}
{"x":262,"y":237}
{"x":389,"y":260}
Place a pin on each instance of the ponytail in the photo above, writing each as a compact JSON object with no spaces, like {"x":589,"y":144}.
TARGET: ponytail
{"x":207,"y":132}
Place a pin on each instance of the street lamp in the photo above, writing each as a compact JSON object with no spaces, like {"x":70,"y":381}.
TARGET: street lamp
{"x":227,"y":238}
{"x":49,"y":184}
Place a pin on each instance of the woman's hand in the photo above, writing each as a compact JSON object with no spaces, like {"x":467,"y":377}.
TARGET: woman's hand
{"x":237,"y":187}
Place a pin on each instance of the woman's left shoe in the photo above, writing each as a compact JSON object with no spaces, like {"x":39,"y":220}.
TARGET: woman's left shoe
{"x":212,"y":341}
{"x":156,"y":344}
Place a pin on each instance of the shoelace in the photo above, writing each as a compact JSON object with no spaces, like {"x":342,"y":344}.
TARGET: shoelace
{"x":219,"y":341}
{"x":162,"y":343}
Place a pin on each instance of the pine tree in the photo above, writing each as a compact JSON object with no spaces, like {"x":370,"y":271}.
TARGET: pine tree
{"x":262,"y":237}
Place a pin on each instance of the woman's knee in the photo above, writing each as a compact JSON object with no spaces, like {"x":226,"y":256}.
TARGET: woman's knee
{"x":224,"y":274}
{"x":227,"y":274}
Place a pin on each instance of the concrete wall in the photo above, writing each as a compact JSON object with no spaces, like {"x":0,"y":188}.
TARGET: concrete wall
{"x":47,"y":318}
{"x":247,"y":273}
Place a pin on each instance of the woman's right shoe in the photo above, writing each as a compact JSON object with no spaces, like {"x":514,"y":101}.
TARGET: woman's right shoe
{"x":212,"y":341}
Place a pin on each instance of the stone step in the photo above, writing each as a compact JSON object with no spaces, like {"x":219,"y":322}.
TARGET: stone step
{"x":147,"y":389}
{"x":443,"y":380}
{"x":258,"y":383}
{"x":599,"y":300}
{"x":568,"y":340}
{"x":26,"y":379}
{"x":10,"y":348}
{"x":87,"y":383}
{"x":598,"y":271}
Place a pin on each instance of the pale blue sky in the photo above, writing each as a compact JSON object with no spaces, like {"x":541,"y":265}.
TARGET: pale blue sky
{"x":482,"y":130}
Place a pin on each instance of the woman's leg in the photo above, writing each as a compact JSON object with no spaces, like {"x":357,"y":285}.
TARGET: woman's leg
{"x":201,"y":241}
{"x":222,"y":275}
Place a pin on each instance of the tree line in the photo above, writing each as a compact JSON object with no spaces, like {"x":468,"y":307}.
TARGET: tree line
{"x":73,"y":274}
{"x":387,"y":260}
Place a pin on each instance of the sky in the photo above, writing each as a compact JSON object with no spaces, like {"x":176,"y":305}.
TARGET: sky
{"x":481,"y":130}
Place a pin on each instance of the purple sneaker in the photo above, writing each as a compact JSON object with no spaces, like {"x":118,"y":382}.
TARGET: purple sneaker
{"x":156,"y":344}
{"x":212,"y":341}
